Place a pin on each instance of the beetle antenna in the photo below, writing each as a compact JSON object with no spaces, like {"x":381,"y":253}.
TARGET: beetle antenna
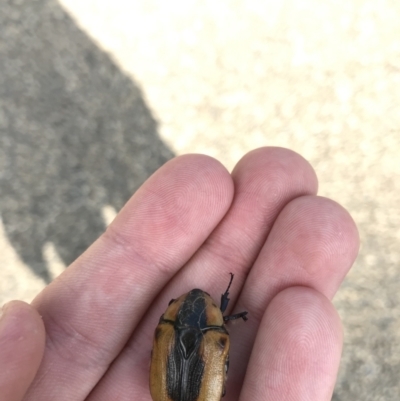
{"x":230,"y":282}
{"x":225,"y":296}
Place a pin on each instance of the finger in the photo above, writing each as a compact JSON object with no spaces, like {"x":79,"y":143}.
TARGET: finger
{"x":313,"y":243}
{"x":297,"y":350}
{"x":22,"y":339}
{"x":91,"y":310}
{"x":265,"y":180}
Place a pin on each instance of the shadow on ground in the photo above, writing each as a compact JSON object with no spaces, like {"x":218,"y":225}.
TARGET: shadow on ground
{"x":75,"y":133}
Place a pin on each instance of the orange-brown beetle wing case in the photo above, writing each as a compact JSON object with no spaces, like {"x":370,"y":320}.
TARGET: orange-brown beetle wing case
{"x":191,"y":349}
{"x":164,"y":341}
{"x":216,"y":353}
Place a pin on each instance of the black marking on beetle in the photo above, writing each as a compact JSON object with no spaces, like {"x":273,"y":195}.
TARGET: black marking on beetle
{"x":185,"y":366}
{"x":222,"y":342}
{"x":158,"y":332}
{"x":162,"y":320}
{"x":227,"y":365}
{"x":226,"y":375}
{"x":225,"y":296}
{"x":192,"y":312}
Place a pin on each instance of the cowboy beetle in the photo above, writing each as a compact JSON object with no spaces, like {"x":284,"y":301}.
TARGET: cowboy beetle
{"x":190,"y":356}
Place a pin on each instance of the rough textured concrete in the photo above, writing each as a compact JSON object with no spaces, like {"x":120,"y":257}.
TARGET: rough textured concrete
{"x":76,"y":134}
{"x":83,"y":81}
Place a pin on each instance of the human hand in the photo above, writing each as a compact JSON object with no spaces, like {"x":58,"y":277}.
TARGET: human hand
{"x":188,"y":226}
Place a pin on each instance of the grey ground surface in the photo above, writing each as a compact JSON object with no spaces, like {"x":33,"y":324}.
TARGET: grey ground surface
{"x":95,"y":95}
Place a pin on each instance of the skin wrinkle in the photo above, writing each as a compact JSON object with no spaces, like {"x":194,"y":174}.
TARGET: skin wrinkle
{"x":74,"y":294}
{"x":227,"y":253}
{"x":138,"y":255}
{"x":276,"y":191}
{"x":40,"y":378}
{"x":217,"y":241}
{"x":276,"y":171}
{"x":172,"y":196}
{"x":80,"y":341}
{"x":113,"y":278}
{"x":267,"y":202}
{"x":250,"y":232}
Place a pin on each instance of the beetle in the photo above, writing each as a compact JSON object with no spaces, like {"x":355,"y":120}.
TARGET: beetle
{"x":190,"y":356}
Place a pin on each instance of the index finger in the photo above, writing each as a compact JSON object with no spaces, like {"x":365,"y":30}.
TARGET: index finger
{"x":90,"y":311}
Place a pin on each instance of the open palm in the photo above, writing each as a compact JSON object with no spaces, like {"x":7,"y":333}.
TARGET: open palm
{"x":189,"y":226}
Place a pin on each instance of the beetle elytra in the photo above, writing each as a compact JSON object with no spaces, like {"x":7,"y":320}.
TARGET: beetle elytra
{"x":190,"y":356}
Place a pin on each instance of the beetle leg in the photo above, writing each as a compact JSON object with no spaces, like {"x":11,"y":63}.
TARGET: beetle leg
{"x":225,"y":295}
{"x":236,"y":316}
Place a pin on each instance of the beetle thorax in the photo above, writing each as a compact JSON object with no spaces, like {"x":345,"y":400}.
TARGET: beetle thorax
{"x":192,"y":312}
